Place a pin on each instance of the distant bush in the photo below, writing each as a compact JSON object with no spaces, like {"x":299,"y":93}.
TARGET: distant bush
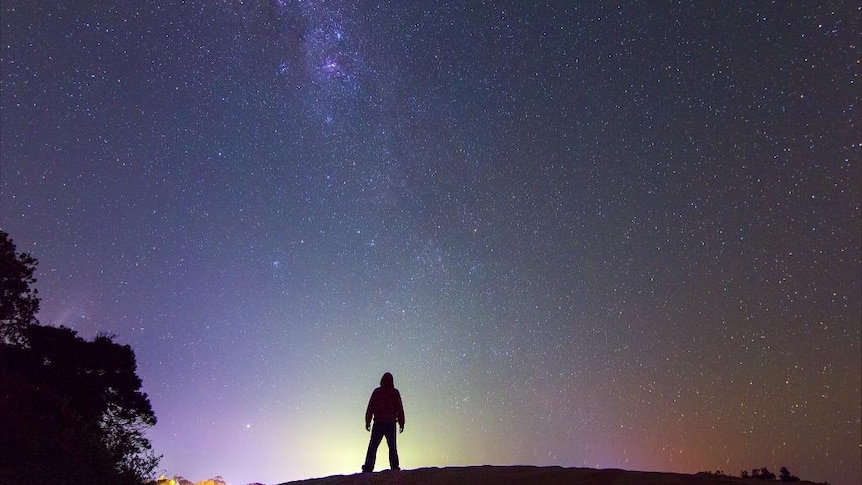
{"x":717,"y":473}
{"x":784,"y":475}
{"x":761,"y":474}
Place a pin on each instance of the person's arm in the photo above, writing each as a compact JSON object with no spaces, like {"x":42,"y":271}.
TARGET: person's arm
{"x":369,"y":413}
{"x":400,"y":417}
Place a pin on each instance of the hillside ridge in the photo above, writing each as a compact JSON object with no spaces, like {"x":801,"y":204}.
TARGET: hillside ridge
{"x":525,"y":474}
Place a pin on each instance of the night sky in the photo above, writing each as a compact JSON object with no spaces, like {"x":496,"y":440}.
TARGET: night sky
{"x":591,"y":235}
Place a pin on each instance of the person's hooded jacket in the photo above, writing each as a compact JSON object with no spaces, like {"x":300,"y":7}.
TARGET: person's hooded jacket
{"x":385,"y":404}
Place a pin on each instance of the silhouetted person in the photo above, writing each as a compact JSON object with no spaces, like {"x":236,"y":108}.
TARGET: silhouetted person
{"x":386,"y":408}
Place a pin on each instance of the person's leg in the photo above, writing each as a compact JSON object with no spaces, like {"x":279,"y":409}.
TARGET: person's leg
{"x":371,"y":455}
{"x":393,"y":447}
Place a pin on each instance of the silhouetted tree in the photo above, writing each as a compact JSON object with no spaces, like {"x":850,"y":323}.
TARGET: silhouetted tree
{"x":785,"y":476}
{"x":765,"y":474}
{"x":71,"y":410}
{"x":19,"y":301}
{"x":762,"y":474}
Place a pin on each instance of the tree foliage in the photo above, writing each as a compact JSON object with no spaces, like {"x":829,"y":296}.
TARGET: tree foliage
{"x":19,"y":301}
{"x":762,"y":474}
{"x":784,"y":475}
{"x":71,"y":410}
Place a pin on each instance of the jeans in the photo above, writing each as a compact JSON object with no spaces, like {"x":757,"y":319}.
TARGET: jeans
{"x":378,"y":431}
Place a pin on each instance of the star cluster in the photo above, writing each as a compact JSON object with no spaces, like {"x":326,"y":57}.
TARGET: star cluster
{"x":581,"y":235}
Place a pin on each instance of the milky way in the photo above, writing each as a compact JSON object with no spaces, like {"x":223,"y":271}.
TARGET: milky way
{"x":606,"y":236}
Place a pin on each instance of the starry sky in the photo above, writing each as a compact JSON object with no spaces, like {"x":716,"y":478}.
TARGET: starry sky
{"x":604,"y":235}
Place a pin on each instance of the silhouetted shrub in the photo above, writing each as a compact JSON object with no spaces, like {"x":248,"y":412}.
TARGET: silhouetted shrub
{"x":785,"y":476}
{"x":717,"y":473}
{"x":762,"y":474}
{"x":765,"y":474}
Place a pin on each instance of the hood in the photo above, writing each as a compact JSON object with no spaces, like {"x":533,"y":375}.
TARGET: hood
{"x":387,"y":381}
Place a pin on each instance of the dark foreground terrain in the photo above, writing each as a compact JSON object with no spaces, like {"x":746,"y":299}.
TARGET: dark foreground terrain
{"x":524,"y":475}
